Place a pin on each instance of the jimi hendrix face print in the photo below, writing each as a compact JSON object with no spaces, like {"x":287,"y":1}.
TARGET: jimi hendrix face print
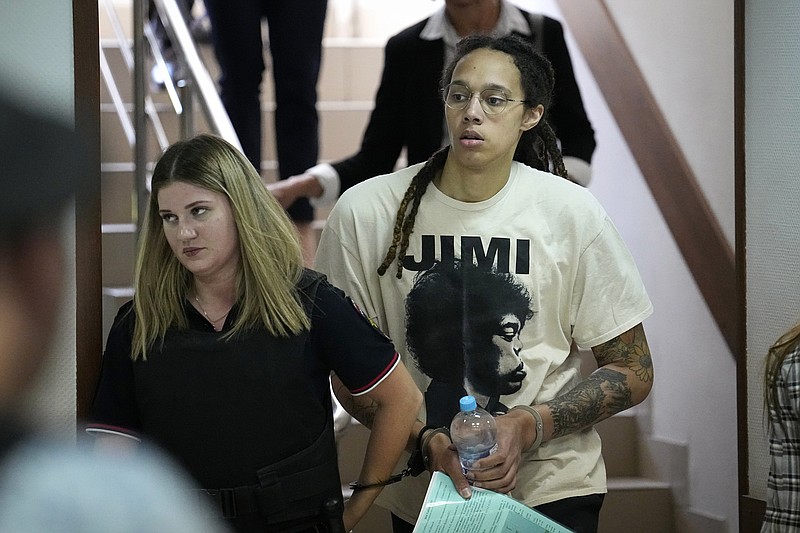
{"x":463,"y":331}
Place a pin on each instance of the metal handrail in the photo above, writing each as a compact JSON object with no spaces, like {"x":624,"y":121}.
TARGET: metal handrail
{"x":111,"y":85}
{"x":198,"y":83}
{"x":182,"y":42}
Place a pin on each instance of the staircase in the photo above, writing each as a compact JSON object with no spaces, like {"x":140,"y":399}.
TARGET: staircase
{"x":345,"y":92}
{"x":350,"y":74}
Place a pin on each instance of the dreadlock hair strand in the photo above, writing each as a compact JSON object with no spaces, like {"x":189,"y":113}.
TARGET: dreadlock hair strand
{"x":404,"y":222}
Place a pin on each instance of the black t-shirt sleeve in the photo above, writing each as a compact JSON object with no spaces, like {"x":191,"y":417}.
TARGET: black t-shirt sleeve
{"x":355,"y":349}
{"x":114,"y":408}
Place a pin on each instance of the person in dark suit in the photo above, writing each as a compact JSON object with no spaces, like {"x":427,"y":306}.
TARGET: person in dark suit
{"x":408,"y":112}
{"x":295,"y":31}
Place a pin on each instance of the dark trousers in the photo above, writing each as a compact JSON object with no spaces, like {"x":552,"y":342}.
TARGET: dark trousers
{"x":295,"y":43}
{"x":580,"y":514}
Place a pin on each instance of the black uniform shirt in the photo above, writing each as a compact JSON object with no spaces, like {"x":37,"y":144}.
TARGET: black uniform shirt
{"x":227,"y":408}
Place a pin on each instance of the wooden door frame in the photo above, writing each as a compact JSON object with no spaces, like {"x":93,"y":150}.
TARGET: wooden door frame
{"x":88,"y":242}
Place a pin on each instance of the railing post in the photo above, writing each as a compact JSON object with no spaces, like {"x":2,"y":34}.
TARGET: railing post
{"x":140,"y":124}
{"x":187,"y":114}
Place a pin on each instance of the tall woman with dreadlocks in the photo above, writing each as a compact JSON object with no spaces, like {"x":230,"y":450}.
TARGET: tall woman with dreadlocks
{"x":481,"y":201}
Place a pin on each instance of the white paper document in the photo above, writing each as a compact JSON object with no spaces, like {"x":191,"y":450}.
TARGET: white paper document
{"x":444,"y":511}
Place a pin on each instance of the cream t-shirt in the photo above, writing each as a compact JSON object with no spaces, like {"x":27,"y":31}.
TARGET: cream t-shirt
{"x":554,"y":237}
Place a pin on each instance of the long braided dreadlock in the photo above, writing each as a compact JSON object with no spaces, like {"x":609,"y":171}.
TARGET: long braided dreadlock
{"x":537,"y":147}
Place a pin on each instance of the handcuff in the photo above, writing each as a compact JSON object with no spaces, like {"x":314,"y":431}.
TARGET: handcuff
{"x":417,"y":463}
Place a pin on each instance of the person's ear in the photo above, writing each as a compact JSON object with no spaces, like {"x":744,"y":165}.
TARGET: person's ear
{"x":532,"y":117}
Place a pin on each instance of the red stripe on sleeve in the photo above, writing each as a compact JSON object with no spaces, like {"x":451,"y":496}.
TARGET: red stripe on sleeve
{"x":385,"y":372}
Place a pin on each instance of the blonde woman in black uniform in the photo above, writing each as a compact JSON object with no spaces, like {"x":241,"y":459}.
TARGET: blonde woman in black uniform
{"x":223,"y":358}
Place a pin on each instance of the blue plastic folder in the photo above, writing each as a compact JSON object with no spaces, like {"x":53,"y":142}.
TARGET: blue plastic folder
{"x":444,"y":511}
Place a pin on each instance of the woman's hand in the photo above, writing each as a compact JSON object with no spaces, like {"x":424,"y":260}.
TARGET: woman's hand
{"x":443,"y":457}
{"x":289,"y":190}
{"x":357,"y":506}
{"x":498,"y":472}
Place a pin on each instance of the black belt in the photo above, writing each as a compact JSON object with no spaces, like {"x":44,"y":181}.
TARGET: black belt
{"x":272,"y":498}
{"x":240,"y":501}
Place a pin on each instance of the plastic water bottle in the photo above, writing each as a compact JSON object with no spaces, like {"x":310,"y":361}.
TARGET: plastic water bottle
{"x":474,"y":433}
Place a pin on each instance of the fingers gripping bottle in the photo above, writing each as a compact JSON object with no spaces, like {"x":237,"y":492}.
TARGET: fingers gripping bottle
{"x":474,"y":433}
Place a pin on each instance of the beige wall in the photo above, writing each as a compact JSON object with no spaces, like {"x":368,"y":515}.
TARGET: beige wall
{"x":36,"y":64}
{"x":684,"y":49}
{"x":772,"y":52}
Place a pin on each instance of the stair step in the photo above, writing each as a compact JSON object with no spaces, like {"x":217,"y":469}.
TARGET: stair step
{"x":632,"y":502}
{"x":341,"y":126}
{"x":118,"y":194}
{"x":620,"y":438}
{"x":350,"y":71}
{"x":348,"y":80}
{"x":635,"y":483}
{"x":114,"y":146}
{"x":124,"y":77}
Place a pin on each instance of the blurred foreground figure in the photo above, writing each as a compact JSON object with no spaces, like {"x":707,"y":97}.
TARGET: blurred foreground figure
{"x":47,"y":485}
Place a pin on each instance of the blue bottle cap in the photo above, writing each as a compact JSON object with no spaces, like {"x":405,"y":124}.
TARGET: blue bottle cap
{"x":467,"y":403}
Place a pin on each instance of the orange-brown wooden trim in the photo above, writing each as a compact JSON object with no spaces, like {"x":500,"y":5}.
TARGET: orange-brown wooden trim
{"x":88,"y":263}
{"x":660,"y":159}
{"x":751,"y":510}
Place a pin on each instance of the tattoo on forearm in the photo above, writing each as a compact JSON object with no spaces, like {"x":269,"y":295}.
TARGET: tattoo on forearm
{"x":362,"y":408}
{"x":605,"y":391}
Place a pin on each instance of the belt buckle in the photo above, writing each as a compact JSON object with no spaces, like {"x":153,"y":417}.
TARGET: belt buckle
{"x":227,"y":499}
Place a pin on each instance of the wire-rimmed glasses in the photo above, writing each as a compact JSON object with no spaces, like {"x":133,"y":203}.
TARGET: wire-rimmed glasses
{"x":493,"y":101}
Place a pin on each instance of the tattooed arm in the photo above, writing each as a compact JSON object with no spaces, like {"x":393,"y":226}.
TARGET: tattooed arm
{"x":363,"y":409}
{"x":442,"y":454}
{"x":389,"y":411}
{"x":623,"y":379}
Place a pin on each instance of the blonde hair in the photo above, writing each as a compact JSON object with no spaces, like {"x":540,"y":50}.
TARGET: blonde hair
{"x":774,"y":361}
{"x":271,"y":257}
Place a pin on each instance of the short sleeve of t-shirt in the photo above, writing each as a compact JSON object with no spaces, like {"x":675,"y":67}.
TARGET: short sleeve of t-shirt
{"x":609,"y":297}
{"x":353,"y":347}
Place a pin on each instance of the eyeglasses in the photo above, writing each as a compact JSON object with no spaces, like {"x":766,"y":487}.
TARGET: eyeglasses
{"x":493,"y":101}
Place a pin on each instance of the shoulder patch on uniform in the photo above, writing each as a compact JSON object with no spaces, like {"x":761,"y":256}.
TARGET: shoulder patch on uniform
{"x":366,"y":318}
